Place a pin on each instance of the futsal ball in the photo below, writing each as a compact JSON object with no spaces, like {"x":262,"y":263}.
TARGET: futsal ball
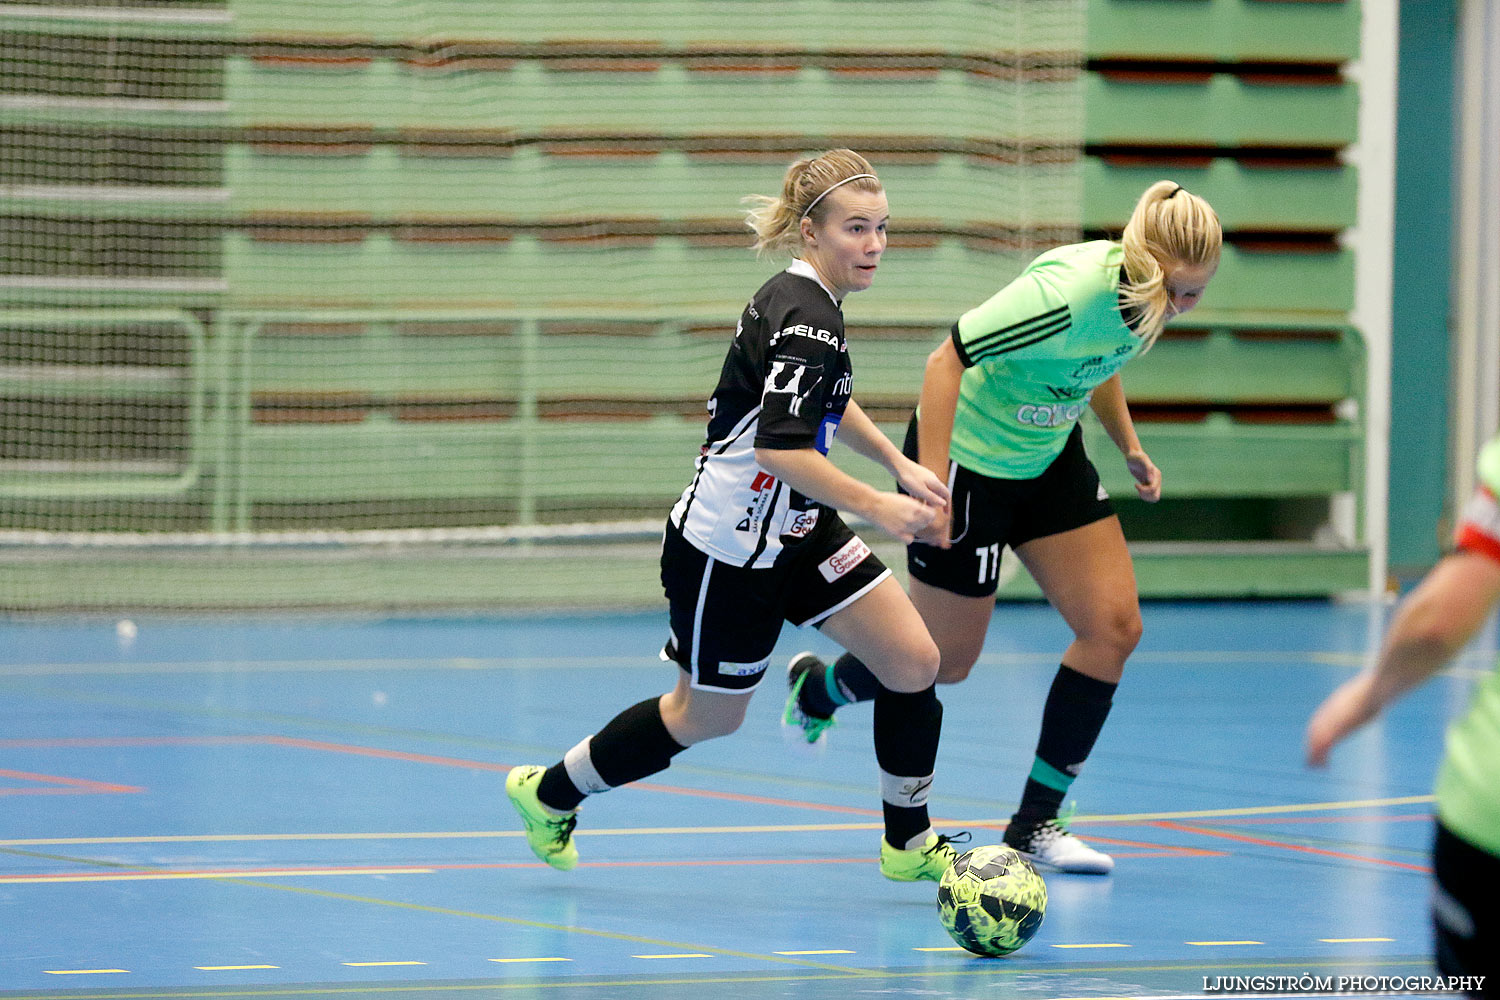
{"x":991,"y":900}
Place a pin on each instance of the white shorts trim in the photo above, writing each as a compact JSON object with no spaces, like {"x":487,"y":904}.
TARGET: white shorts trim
{"x":823,"y":615}
{"x":708,"y":572}
{"x":693,"y":683}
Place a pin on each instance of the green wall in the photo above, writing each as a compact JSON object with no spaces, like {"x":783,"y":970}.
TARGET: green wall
{"x":1422,"y":278}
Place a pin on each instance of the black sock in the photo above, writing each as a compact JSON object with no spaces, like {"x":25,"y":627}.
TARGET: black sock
{"x":1076,"y":708}
{"x":633,"y":745}
{"x":907,"y":726}
{"x":854,"y":680}
{"x":842,"y":682}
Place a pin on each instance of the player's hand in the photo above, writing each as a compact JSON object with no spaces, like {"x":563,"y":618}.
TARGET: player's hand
{"x":1146,"y":475}
{"x":901,"y":516}
{"x":937,"y":534}
{"x":1351,"y":705}
{"x":921,"y":483}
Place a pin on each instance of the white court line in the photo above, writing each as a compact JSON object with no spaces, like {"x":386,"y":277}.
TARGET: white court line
{"x":1299,"y":807}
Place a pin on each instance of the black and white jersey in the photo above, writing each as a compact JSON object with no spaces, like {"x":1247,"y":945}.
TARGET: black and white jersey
{"x":785,"y":384}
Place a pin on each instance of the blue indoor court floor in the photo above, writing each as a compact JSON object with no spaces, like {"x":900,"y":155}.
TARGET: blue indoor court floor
{"x":276,"y":807}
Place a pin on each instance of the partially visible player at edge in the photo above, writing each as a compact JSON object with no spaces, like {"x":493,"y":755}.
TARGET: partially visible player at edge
{"x":998,"y":421}
{"x":756,"y":538}
{"x":1430,"y":628}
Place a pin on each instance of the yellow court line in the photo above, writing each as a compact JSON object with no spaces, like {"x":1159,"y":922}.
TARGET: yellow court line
{"x":823,"y":951}
{"x":1300,"y":807}
{"x":396,"y":904}
{"x":371,"y":965}
{"x":685,"y":955}
{"x":232,"y":968}
{"x":634,"y":831}
{"x":508,"y":961}
{"x":1102,"y":944}
{"x":948,"y":948}
{"x":1206,"y":944}
{"x":81,"y":972}
{"x":1352,"y":940}
{"x":1145,"y":817}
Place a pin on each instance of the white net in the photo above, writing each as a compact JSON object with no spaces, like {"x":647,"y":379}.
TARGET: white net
{"x":418,"y":303}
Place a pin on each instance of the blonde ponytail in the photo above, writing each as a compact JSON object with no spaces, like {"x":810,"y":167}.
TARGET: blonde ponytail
{"x":1170,"y":227}
{"x":777,"y":222}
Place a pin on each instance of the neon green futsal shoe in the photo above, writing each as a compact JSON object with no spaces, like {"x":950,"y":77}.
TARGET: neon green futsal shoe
{"x":549,"y":833}
{"x":794,"y":716}
{"x":926,"y":862}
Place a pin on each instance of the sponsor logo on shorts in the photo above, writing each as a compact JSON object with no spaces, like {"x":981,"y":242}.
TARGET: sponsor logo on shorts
{"x":728,"y":669}
{"x":1103,"y":493}
{"x":849,"y":556}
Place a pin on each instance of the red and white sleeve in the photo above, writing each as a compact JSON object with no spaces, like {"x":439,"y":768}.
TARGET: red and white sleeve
{"x":1479,"y":527}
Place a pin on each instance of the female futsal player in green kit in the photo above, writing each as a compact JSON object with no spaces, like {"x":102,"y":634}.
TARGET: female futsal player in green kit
{"x":998,"y":421}
{"x":1431,"y":627}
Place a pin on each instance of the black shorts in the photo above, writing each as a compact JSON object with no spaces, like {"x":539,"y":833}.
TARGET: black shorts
{"x":725,"y":619}
{"x":1465,"y":912}
{"x":989,"y":514}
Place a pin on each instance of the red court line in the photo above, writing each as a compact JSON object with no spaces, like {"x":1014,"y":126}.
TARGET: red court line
{"x":754,"y":799}
{"x":1261,"y":820}
{"x":72,"y":742}
{"x":418,"y":758}
{"x":359,"y":751}
{"x":1150,"y":850}
{"x":70,"y":786}
{"x":1300,"y":848}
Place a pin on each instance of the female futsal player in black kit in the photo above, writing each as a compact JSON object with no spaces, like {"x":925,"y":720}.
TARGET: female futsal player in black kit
{"x":756,"y":538}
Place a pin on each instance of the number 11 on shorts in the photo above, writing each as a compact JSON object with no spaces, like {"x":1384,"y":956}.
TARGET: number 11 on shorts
{"x":989,"y":562}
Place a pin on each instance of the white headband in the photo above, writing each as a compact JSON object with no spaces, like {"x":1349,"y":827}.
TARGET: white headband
{"x":846,"y":180}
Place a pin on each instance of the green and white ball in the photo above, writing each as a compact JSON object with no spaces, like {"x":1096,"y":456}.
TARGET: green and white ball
{"x":991,"y":900}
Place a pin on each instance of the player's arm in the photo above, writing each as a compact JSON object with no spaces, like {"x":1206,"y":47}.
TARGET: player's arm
{"x":809,"y":472}
{"x":936,"y":408}
{"x":1431,"y":626}
{"x":1108,"y":404}
{"x":859,"y":432}
{"x":937,"y":405}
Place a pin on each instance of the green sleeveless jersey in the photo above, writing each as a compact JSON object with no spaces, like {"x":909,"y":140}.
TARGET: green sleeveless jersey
{"x":1033,"y":355}
{"x":1468,"y":786}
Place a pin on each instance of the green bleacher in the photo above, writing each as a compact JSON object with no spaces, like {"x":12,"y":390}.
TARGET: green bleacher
{"x":399,"y":256}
